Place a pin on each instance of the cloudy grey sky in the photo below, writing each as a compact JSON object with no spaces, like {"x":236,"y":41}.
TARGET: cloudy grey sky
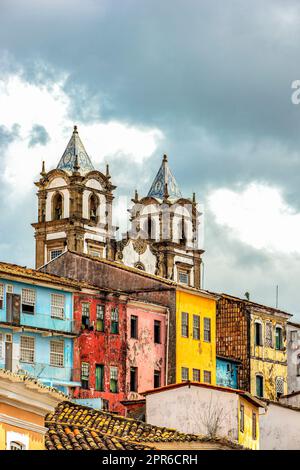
{"x":208,"y":82}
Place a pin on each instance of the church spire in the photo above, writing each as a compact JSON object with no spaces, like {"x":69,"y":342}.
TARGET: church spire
{"x":75,"y":148}
{"x":165,"y":179}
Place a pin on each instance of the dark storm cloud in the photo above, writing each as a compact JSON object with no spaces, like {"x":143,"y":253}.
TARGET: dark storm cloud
{"x":38,"y":135}
{"x":215,"y":76}
{"x":214,"y":68}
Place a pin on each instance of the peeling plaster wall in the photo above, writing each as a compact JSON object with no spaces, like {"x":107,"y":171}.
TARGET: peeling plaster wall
{"x":191,"y":409}
{"x":101,"y":348}
{"x":143,"y":351}
{"x":280,"y":428}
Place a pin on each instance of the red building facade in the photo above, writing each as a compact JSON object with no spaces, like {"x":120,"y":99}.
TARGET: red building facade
{"x":100,"y":348}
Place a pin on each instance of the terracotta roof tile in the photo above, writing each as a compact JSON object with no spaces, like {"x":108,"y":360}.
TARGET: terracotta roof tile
{"x":75,"y":427}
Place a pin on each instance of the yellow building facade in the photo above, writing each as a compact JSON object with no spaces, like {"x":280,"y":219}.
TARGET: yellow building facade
{"x":268,"y":354}
{"x":195,"y":336}
{"x":24,"y":403}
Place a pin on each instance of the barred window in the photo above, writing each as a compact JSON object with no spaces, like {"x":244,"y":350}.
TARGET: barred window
{"x":184,"y":324}
{"x":57,"y":353}
{"x":85,"y":315}
{"x":196,"y":326}
{"x":184,"y":374}
{"x":279,"y":387}
{"x":196,"y":375}
{"x":114,"y":379}
{"x":1,"y":295}
{"x":269,"y":334}
{"x":207,"y":330}
{"x":28,"y":300}
{"x":100,"y":317}
{"x":27,"y":349}
{"x":207,"y":376}
{"x":57,"y":306}
{"x":115,"y":320}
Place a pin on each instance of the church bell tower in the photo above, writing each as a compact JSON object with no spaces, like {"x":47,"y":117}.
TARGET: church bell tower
{"x":74,"y":207}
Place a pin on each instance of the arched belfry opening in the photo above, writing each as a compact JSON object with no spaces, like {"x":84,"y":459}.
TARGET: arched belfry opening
{"x":93,"y":207}
{"x":57,"y":207}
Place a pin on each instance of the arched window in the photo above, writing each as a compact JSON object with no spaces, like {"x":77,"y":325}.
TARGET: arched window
{"x":140,"y":266}
{"x":57,"y":207}
{"x":149,"y":227}
{"x":93,"y":207}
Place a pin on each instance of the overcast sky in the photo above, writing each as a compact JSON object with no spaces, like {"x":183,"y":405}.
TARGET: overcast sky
{"x":207,"y":82}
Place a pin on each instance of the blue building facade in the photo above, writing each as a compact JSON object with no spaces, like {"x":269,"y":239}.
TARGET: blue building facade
{"x":37,"y":329}
{"x":227,"y":372}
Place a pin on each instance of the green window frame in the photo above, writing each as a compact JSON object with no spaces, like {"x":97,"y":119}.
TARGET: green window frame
{"x":100,"y":312}
{"x":114,"y":320}
{"x":114,"y":387}
{"x":99,"y":378}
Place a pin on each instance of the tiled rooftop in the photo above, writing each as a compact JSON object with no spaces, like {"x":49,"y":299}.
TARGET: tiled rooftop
{"x":8,"y":269}
{"x":75,"y":427}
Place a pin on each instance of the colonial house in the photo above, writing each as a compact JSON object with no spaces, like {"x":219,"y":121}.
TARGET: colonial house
{"x":24,"y":403}
{"x":36,"y":325}
{"x":255,"y":335}
{"x":208,"y":410}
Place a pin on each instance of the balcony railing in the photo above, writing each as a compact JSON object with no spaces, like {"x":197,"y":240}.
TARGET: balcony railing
{"x":46,"y":371}
{"x":45,"y":321}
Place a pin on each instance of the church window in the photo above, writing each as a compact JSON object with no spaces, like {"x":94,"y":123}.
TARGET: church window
{"x":93,"y":208}
{"x":183,"y":277}
{"x":140,"y":266}
{"x":55,"y":253}
{"x":28,"y":300}
{"x":57,"y":212}
{"x":57,"y":306}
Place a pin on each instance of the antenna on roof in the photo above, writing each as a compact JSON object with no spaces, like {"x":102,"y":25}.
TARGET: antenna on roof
{"x":277,"y":294}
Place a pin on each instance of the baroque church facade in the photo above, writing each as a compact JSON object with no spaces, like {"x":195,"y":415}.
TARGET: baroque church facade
{"x":75,"y":213}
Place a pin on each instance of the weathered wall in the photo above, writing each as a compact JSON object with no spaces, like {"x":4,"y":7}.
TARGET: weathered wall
{"x":192,"y":353}
{"x":192,"y":409}
{"x":142,"y":352}
{"x":246,"y":437}
{"x":293,"y":357}
{"x":102,"y":348}
{"x":280,"y":428}
{"x":227,"y":373}
{"x":233,"y":340}
{"x":101,"y":274}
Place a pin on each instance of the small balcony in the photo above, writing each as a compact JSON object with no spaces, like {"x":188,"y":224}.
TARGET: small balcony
{"x":44,"y":322}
